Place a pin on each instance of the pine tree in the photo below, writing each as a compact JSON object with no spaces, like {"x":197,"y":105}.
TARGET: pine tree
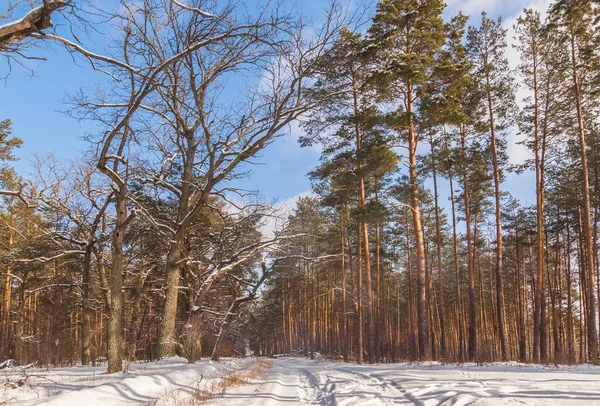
{"x":455,"y":106}
{"x":352,"y":114}
{"x":9,"y":181}
{"x":407,"y":38}
{"x":486,"y":47}
{"x":540,"y":74}
{"x":575,"y":24}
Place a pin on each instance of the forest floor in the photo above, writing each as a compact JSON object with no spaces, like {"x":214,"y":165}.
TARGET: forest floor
{"x":297,"y":381}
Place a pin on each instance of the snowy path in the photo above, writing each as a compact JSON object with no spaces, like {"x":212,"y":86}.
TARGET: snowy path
{"x":297,"y":381}
{"x":293,"y":381}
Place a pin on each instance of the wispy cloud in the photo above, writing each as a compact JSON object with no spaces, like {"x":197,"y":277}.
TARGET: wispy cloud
{"x":284,"y":209}
{"x":471,"y":7}
{"x":290,"y":143}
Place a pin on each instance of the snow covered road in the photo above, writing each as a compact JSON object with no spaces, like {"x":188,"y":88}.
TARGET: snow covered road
{"x":297,"y":381}
{"x":293,"y":381}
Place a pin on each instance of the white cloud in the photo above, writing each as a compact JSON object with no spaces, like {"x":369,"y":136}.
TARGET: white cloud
{"x":517,"y":153}
{"x":290,"y":143}
{"x":507,"y":9}
{"x":472,"y":7}
{"x":283,"y":210}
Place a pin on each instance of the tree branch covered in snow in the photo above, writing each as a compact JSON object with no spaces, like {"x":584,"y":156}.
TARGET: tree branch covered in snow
{"x":33,"y":22}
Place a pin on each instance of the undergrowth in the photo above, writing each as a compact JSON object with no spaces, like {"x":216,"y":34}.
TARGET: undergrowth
{"x":215,"y":388}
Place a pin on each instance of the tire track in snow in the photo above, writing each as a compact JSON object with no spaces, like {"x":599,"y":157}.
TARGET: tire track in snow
{"x":427,"y":394}
{"x":313,"y":393}
{"x":309,"y":391}
{"x":482,"y":388}
{"x":398,"y":387}
{"x":374,"y":388}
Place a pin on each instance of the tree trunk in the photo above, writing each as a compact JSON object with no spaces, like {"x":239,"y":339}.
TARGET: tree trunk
{"x":499,"y":285}
{"x":86,"y":311}
{"x":438,"y":246}
{"x":364,"y":227}
{"x":570,"y":328}
{"x":6,"y":324}
{"x":115,"y":333}
{"x":167,"y":339}
{"x":458,"y":277}
{"x":359,"y":289}
{"x":344,"y":310}
{"x":413,"y":350}
{"x":19,"y":322}
{"x":422,"y":321}
{"x":538,"y":323}
{"x":520,"y":302}
{"x":470,"y":260}
{"x":135,"y":323}
{"x":592,"y":333}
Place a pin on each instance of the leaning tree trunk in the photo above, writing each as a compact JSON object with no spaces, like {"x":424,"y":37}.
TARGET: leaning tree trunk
{"x":225,"y":324}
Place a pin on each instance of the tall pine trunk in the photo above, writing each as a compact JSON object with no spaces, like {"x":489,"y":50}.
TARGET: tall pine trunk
{"x":472,"y":349}
{"x":344,"y":310}
{"x":592,"y":333}
{"x":422,"y":305}
{"x":538,"y":323}
{"x":364,"y":227}
{"x":499,"y":284}
{"x":458,"y":276}
{"x":438,"y":246}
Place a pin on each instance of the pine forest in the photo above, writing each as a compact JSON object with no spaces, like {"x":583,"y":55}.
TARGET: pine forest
{"x":409,"y":246}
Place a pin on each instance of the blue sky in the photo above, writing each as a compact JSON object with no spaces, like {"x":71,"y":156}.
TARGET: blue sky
{"x":36,"y":106}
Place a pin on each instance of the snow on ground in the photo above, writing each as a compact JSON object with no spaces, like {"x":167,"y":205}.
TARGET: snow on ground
{"x":297,"y":381}
{"x":304,"y":382}
{"x":91,"y":386}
